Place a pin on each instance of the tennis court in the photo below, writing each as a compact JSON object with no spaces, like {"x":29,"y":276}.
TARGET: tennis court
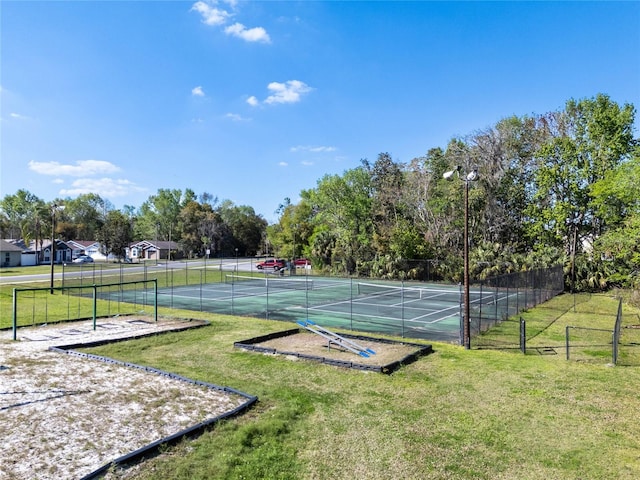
{"x":413,"y":310}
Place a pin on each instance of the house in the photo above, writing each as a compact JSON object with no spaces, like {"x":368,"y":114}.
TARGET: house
{"x":10,"y":254}
{"x":31,"y":253}
{"x":153,"y":250}
{"x":86,"y":247}
{"x":63,"y":252}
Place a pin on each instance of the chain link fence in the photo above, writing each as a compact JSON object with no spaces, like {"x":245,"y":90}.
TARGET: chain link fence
{"x":516,"y":292}
{"x":396,"y":311}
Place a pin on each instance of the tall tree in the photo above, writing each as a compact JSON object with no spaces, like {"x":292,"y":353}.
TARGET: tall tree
{"x":425,"y":197}
{"x":587,"y":140}
{"x":387,"y":204}
{"x":116,"y":234}
{"x":246,"y":227}
{"x":158,"y":218}
{"x":24,"y":213}
{"x":343,"y":203}
{"x":202,"y":228}
{"x":289,"y":237}
{"x":86,"y":214}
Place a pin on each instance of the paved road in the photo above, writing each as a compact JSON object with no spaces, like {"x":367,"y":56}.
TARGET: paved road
{"x":76,"y":271}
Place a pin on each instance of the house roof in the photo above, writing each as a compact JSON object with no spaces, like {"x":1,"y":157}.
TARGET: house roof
{"x":44,"y":244}
{"x":9,"y":247}
{"x":82,"y":243}
{"x":159,"y":245}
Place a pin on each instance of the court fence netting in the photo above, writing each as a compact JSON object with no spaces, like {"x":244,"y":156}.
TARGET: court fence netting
{"x":610,"y":335}
{"x":520,"y":291}
{"x":411,"y":309}
{"x":45,"y":305}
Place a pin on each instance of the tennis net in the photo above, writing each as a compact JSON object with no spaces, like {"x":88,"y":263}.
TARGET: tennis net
{"x":421,"y":293}
{"x":267,"y":282}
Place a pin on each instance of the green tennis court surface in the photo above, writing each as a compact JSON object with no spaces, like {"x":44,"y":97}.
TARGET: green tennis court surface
{"x":408,"y":310}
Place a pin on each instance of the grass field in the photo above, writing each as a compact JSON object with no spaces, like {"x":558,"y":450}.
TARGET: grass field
{"x":456,"y":414}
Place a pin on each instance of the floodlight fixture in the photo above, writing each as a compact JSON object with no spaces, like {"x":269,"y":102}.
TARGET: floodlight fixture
{"x":449,"y":175}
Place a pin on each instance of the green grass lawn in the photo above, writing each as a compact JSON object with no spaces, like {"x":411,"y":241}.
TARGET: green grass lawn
{"x":456,"y":414}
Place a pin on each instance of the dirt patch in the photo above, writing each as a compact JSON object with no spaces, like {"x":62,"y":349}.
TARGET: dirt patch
{"x":300,"y":344}
{"x":64,"y":416}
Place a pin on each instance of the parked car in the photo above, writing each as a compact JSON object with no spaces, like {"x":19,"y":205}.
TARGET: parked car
{"x":301,"y":262}
{"x":83,"y":259}
{"x":275,"y":264}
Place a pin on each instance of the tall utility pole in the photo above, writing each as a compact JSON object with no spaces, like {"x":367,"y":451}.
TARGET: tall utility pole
{"x":466,"y":316}
{"x":54,"y":208}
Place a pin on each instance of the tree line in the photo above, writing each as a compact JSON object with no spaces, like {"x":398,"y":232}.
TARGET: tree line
{"x":563,"y":186}
{"x":197,"y":224}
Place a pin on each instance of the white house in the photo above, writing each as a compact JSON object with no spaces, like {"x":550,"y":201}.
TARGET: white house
{"x":153,"y":250}
{"x":86,"y":247}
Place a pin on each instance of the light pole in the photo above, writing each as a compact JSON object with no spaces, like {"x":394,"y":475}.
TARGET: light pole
{"x":466,"y":320}
{"x":54,"y":208}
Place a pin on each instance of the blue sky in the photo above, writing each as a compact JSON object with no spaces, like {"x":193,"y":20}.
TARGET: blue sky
{"x":255,"y":101}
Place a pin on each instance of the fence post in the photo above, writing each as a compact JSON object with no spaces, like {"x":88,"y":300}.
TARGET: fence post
{"x":566,"y":336}
{"x":15,"y":315}
{"x":351,"y":302}
{"x":523,"y":335}
{"x":616,"y":332}
{"x":480,"y":310}
{"x":95,"y":304}
{"x":461,"y":316}
{"x":402,"y":307}
{"x":201,"y":289}
{"x":155,"y":299}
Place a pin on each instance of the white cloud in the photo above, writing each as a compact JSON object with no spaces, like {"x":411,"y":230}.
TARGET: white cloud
{"x":18,"y":116}
{"x":283,"y":164}
{"x":235,"y":117}
{"x":211,"y":15}
{"x":197,"y":92}
{"x":253,"y":101}
{"x":82,"y":168}
{"x":105,"y":187}
{"x":289,"y":92}
{"x":306,"y":163}
{"x":256,"y":34}
{"x":58,"y":181}
{"x":312,"y":149}
{"x":214,"y":16}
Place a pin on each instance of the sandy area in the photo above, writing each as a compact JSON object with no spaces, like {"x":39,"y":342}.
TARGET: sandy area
{"x":63,"y":416}
{"x":312,"y":344}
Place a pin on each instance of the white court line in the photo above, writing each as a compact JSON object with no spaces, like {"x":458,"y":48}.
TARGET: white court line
{"x":398,"y":305}
{"x":231,"y":295}
{"x":322,"y":308}
{"x":415,"y":319}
